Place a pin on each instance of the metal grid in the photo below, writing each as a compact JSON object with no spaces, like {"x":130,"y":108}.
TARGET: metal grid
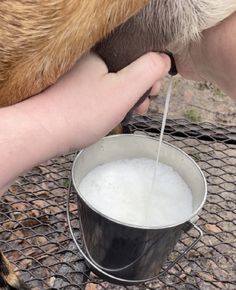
{"x":34,"y":234}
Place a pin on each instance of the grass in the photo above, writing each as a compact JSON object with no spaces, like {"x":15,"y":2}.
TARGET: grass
{"x":193,"y":115}
{"x":218,"y":92}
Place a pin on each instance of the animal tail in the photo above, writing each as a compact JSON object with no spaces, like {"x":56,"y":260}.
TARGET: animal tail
{"x":9,"y":280}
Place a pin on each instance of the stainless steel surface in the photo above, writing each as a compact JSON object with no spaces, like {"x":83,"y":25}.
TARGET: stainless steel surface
{"x":132,"y":253}
{"x":109,"y":277}
{"x":136,"y":146}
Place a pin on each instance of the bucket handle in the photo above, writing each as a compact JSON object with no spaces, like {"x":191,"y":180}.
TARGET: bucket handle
{"x":190,"y":224}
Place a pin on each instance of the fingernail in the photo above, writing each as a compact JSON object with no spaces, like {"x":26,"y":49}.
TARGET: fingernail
{"x":167,"y":60}
{"x":164,"y":56}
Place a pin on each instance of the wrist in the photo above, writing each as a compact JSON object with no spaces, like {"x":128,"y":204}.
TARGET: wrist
{"x":41,"y":126}
{"x":54,"y":118}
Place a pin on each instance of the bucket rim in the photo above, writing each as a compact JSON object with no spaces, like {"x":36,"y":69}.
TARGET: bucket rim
{"x":146,"y":227}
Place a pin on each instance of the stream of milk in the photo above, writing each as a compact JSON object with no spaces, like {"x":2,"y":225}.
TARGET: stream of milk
{"x":139,"y":191}
{"x":163,"y":125}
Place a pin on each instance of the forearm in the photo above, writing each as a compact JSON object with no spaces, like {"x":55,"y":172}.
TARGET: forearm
{"x":83,"y":106}
{"x":25,"y":141}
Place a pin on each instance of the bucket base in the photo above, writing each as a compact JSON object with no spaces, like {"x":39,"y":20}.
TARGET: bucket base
{"x":119,"y":281}
{"x":123,"y":282}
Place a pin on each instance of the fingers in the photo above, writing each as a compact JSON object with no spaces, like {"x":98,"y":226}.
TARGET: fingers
{"x":143,"y":108}
{"x":155,"y":88}
{"x":138,"y":77}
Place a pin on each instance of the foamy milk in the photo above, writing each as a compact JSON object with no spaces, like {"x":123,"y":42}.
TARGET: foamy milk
{"x":120,"y":190}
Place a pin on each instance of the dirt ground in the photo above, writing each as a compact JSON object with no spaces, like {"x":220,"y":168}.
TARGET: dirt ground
{"x":197,"y":102}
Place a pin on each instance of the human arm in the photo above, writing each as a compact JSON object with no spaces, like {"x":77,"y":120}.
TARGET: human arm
{"x":213,"y":58}
{"x":83,"y":106}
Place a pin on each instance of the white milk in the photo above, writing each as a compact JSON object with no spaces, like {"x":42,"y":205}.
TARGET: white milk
{"x":121,"y":190}
{"x":163,"y":125}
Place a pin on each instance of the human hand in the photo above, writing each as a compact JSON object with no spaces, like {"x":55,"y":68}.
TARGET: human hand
{"x":88,"y":102}
{"x":83,"y":106}
{"x":213,"y":58}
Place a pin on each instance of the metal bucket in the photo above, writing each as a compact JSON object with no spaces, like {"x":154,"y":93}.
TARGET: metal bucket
{"x":120,"y":252}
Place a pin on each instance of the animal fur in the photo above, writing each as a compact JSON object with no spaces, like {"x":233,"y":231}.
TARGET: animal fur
{"x":8,"y":278}
{"x":41,"y":40}
{"x":162,"y":25}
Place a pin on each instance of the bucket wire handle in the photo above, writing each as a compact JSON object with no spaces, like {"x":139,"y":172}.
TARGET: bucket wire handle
{"x":78,"y":246}
{"x":200,"y":234}
{"x":84,"y":255}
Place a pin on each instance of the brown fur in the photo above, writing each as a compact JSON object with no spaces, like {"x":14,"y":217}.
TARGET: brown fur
{"x":41,"y":40}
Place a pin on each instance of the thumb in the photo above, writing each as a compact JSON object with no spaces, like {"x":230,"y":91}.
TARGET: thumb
{"x":135,"y":79}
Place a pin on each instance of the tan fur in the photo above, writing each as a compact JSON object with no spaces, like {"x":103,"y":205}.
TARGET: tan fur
{"x":8,"y":278}
{"x":41,"y":40}
{"x":180,"y":21}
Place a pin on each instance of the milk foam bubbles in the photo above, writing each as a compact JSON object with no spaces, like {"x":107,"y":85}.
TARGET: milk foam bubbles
{"x":122,"y":190}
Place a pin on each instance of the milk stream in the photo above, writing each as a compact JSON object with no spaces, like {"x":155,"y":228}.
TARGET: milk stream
{"x":168,"y":95}
{"x":155,"y":190}
{"x":121,"y":189}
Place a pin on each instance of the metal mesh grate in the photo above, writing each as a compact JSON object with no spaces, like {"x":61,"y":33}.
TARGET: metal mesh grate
{"x":35,"y":237}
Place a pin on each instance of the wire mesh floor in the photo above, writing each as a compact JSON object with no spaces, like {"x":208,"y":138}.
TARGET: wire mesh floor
{"x":34,"y":234}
